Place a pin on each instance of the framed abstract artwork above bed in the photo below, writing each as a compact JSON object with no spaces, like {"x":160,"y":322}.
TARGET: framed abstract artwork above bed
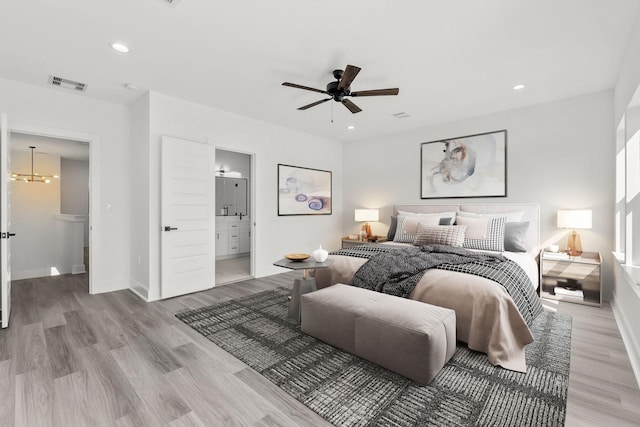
{"x":467,"y":166}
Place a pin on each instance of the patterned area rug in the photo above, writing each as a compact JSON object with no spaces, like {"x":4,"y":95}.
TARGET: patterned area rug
{"x":349,"y":391}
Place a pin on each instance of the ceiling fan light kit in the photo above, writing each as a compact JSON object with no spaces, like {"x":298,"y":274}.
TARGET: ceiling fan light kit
{"x":341,"y":88}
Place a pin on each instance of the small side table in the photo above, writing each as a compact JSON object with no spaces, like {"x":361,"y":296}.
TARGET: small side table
{"x":301,"y":286}
{"x":572,"y":279}
{"x":349,"y":243}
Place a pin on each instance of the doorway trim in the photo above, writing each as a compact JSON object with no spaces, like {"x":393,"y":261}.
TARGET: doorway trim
{"x":94,"y":179}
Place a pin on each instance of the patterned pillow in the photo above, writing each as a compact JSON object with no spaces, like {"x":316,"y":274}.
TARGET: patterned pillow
{"x":486,"y":233}
{"x":408,"y":226}
{"x":452,"y":235}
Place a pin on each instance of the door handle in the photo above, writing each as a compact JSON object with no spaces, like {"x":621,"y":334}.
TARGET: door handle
{"x":9,"y":235}
{"x":168,"y":228}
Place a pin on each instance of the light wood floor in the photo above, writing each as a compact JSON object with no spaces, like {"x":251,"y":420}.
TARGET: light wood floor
{"x":233,"y":270}
{"x":73,"y":359}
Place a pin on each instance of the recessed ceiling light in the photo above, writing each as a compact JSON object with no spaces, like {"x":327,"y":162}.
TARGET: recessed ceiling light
{"x":351,"y":127}
{"x":519,"y":87}
{"x":120,"y":47}
{"x":131,"y":86}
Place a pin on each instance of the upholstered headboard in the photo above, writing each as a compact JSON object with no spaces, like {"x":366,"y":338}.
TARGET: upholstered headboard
{"x":531,"y":213}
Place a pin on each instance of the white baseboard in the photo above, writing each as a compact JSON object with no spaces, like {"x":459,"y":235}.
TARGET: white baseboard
{"x":630,"y":343}
{"x":102,"y":286}
{"x":29,"y":274}
{"x":78,"y":269}
{"x":139,"y":289}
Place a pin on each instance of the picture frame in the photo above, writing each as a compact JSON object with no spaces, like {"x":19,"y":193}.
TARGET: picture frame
{"x":464,"y":167}
{"x":304,"y":191}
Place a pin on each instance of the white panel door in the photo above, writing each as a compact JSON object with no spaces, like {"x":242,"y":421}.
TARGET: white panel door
{"x":5,"y":223}
{"x":188,"y":217}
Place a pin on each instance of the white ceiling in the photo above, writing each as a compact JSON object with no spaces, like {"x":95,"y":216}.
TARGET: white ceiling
{"x":451,"y":59}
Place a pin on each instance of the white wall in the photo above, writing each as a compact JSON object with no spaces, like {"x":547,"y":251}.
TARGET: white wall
{"x":52,"y":108}
{"x":626,"y":297}
{"x":274,"y":236}
{"x":233,"y":161}
{"x":33,"y":206}
{"x":74,"y":190}
{"x":558,"y":155}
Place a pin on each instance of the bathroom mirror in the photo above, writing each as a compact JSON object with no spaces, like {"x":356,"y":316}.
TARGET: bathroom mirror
{"x":231,"y":196}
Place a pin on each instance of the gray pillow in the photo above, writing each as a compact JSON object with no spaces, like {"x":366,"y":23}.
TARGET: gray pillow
{"x":392,"y":228}
{"x":514,"y":236}
{"x":447,"y":220}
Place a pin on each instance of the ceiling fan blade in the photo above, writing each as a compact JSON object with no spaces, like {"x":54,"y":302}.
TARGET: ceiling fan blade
{"x":303,"y":87}
{"x":315,"y":103}
{"x":349,"y":74}
{"x":351,"y":106}
{"x":376,"y":92}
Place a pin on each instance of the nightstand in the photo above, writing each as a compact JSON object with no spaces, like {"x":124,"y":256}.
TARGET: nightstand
{"x":572,"y":279}
{"x":349,"y":243}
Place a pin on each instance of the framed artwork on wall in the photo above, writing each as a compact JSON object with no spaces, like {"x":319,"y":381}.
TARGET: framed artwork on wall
{"x":303,"y":191}
{"x":467,"y":166}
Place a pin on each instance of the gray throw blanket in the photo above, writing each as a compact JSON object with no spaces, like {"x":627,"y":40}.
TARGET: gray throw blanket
{"x":396,"y":271}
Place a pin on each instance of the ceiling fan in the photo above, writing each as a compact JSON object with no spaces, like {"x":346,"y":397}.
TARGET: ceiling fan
{"x":341,"y":88}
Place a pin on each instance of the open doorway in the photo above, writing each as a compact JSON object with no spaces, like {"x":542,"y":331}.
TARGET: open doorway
{"x":234,"y":222}
{"x":49,"y":216}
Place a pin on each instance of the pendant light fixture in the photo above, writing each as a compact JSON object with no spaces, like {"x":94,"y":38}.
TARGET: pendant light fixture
{"x":32,"y":177}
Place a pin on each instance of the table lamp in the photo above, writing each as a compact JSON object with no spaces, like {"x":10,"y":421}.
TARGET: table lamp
{"x":574,"y":218}
{"x":365,"y":215}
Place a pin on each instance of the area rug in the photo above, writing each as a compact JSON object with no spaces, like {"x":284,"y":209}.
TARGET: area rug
{"x":349,"y":391}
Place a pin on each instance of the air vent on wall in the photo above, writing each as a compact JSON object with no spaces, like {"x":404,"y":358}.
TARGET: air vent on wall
{"x":67,"y":84}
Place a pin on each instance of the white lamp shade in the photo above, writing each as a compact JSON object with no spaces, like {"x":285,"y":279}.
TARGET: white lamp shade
{"x":364,"y":215}
{"x":575,"y":218}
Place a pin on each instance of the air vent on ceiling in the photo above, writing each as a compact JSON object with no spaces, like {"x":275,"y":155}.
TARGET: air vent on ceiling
{"x":401,"y":115}
{"x":67,"y":84}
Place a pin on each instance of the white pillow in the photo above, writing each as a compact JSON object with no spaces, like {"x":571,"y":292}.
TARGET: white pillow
{"x":451,"y":214}
{"x":486,"y":233}
{"x":407,"y":228}
{"x":511,"y":216}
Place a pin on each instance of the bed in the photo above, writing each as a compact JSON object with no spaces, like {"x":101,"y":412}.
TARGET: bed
{"x":488,"y":318}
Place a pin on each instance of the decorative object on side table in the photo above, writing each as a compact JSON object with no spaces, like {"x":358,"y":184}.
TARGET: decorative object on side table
{"x":575,"y":218}
{"x":320,"y":255}
{"x":297,"y":257}
{"x":301,"y":286}
{"x":366,"y":215}
{"x":571,"y":279}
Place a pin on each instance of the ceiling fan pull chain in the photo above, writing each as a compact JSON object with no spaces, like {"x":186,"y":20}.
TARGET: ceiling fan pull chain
{"x":332,"y":112}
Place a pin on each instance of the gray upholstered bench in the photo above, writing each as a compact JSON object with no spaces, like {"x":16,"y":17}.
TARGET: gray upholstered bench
{"x":409,"y":337}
